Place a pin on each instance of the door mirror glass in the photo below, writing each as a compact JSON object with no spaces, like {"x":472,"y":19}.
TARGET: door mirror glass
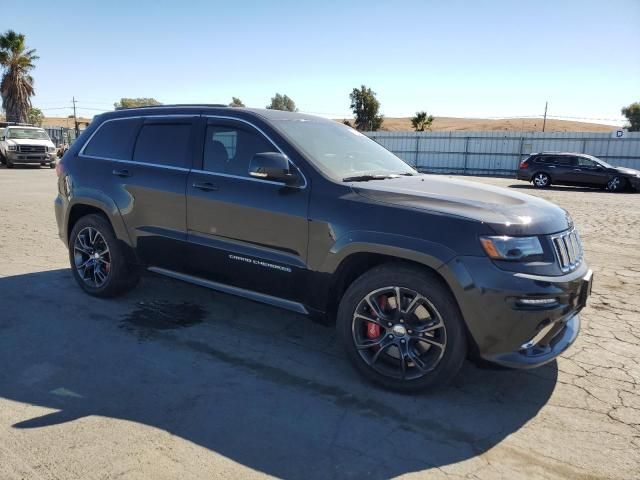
{"x":271,"y":166}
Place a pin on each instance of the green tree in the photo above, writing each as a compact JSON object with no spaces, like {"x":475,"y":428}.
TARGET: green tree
{"x":35,"y":116}
{"x":17,"y":84}
{"x":282,"y":102}
{"x":135,"y":102}
{"x":422,"y":121}
{"x":632,"y":112}
{"x":236,"y":102}
{"x":365,"y":108}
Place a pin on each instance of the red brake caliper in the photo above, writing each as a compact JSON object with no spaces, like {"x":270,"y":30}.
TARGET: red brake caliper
{"x":373,"y":329}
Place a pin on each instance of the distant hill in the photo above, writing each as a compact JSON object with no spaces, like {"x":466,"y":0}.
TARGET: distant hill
{"x":452,"y":124}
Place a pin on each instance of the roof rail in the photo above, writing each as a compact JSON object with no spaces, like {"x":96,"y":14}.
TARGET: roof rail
{"x":217,"y":105}
{"x":16,"y":124}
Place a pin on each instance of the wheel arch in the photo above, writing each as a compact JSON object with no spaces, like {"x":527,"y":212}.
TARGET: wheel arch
{"x":359,"y":252}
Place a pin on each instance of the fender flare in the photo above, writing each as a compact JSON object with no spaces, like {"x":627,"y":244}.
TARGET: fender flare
{"x":99,"y":200}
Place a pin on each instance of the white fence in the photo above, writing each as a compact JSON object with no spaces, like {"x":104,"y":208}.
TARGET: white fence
{"x":499,"y":153}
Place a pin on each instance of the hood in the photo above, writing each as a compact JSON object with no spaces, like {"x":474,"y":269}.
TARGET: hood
{"x":627,"y":171}
{"x":504,"y":210}
{"x":29,"y":141}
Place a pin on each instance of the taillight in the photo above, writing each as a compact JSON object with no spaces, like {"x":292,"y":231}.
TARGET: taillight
{"x":59,"y":169}
{"x":524,"y":164}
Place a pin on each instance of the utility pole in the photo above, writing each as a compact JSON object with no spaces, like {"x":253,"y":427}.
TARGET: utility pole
{"x":75,"y":118}
{"x":544,"y":122}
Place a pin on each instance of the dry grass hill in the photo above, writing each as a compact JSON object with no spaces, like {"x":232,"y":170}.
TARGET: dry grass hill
{"x":510,"y":125}
{"x":443,"y":124}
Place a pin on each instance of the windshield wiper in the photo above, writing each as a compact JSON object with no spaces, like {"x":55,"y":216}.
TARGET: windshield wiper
{"x":366,"y":178}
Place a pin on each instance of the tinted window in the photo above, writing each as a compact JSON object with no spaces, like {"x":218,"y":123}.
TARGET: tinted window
{"x":114,"y":139}
{"x":163,"y":144}
{"x":563,"y":160}
{"x":229,"y":149}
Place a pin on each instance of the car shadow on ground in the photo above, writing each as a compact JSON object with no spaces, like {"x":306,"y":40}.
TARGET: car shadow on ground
{"x":266,"y":388}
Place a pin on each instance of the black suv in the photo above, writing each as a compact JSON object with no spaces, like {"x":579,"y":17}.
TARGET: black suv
{"x":307,"y":214}
{"x":576,"y":169}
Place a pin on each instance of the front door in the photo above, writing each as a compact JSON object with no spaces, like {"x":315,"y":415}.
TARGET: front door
{"x":244,"y":231}
{"x":588,"y":172}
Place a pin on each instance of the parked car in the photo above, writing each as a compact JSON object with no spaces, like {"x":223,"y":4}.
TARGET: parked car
{"x":418,"y":271}
{"x":578,"y":169}
{"x":26,"y":145}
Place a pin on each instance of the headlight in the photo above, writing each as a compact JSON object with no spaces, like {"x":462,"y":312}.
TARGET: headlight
{"x":51,"y":149}
{"x":511,"y":248}
{"x":12,"y":148}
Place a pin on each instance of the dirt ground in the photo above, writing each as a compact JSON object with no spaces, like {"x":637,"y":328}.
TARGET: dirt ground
{"x":176,"y":381}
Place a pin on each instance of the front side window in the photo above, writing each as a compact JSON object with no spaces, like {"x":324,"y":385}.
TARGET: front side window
{"x":26,"y":134}
{"x":585,"y":162}
{"x":340,"y":151}
{"x":229,"y":149}
{"x":113,"y":140}
{"x":163,"y":144}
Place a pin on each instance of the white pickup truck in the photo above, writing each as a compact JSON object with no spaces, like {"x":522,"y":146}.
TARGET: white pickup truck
{"x":26,"y":144}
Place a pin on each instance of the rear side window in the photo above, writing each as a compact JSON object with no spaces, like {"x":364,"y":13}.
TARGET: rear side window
{"x":564,"y":160}
{"x":113,"y":139}
{"x":163,"y":144}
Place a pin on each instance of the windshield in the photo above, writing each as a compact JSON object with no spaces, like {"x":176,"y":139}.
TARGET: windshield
{"x":27,"y":134}
{"x":341,"y":151}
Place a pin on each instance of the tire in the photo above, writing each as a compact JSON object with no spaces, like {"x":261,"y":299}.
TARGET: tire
{"x":52,"y":165}
{"x":398,"y":351}
{"x":541,"y":180}
{"x":9,"y":163}
{"x":616,"y":184}
{"x":109,"y":276}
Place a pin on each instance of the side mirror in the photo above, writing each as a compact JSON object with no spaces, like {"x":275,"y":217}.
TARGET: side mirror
{"x":271,"y":166}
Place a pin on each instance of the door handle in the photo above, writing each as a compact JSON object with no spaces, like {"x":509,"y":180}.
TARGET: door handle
{"x":122,"y":173}
{"x":577,"y":170}
{"x":206,"y":186}
{"x":552,"y":166}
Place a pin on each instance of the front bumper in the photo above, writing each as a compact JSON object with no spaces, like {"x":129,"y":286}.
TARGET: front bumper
{"x":505,"y":330}
{"x":17,"y":157}
{"x":635,"y":183}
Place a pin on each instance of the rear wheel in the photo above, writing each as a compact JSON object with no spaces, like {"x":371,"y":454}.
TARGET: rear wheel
{"x":402,"y":328}
{"x":97,"y":258}
{"x":616,"y":184}
{"x":541,"y":180}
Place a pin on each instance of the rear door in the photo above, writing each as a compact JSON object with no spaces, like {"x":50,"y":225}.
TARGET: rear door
{"x":143,"y":164}
{"x":561,"y":169}
{"x":244,"y":231}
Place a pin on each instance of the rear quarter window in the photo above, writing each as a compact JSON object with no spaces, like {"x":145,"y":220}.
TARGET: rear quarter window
{"x":114,"y":140}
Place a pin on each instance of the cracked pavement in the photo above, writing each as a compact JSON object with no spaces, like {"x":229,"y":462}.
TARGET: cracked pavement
{"x":173,"y":380}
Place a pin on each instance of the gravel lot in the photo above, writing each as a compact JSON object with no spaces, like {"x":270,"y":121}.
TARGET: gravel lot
{"x":176,"y":381}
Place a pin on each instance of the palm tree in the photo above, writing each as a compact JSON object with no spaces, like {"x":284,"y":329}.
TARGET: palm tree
{"x":421,"y":121}
{"x":17,"y":85}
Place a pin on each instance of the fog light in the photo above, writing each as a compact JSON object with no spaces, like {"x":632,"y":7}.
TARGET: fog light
{"x":537,"y":302}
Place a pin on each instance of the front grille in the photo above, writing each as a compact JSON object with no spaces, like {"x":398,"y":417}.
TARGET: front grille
{"x":568,"y":249}
{"x":32,"y":148}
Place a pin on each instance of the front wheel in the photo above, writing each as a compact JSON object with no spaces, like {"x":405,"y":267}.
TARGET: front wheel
{"x":97,"y":258}
{"x":541,"y":180}
{"x":616,"y":184}
{"x":402,"y":328}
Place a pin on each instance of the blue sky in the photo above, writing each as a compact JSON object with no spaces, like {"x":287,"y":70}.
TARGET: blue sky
{"x":451,"y":58}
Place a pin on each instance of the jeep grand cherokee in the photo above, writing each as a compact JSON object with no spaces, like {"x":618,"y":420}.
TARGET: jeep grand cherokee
{"x":304,"y":213}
